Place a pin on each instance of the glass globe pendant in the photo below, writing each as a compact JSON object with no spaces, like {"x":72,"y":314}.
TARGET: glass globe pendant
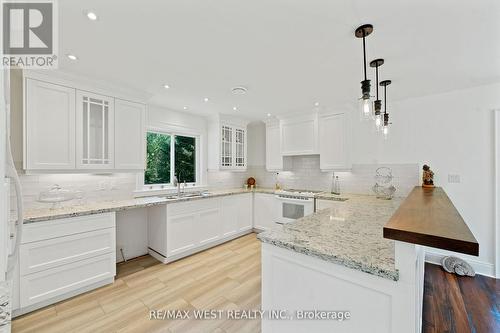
{"x":365,"y":100}
{"x":377,"y":104}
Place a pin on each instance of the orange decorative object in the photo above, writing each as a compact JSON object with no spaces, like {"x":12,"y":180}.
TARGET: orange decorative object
{"x":251,"y":181}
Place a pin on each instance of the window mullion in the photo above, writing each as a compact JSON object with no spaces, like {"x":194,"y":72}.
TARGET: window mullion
{"x":172,"y":159}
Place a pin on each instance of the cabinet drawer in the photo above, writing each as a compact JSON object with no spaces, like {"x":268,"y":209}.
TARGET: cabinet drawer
{"x":181,"y":208}
{"x":38,"y":231}
{"x":38,"y":256}
{"x":41,"y":286}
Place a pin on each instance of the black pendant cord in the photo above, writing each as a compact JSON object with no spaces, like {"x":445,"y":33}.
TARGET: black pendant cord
{"x":376,"y":78}
{"x":364,"y":54}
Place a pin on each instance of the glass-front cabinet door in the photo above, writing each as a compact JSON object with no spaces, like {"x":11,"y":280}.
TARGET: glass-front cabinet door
{"x":94,"y":131}
{"x":239,"y":149}
{"x":226,"y":153}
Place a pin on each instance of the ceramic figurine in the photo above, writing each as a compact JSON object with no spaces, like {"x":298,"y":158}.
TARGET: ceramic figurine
{"x":427,"y":177}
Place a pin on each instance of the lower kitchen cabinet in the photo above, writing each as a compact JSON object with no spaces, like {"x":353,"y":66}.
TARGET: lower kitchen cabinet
{"x":183,"y":228}
{"x":61,"y":258}
{"x":265,"y":210}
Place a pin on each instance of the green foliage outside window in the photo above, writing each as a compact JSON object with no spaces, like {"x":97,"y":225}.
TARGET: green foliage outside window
{"x":159,"y":159}
{"x":185,"y":158}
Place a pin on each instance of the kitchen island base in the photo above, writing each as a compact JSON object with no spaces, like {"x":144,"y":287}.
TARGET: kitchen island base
{"x":294,"y":282}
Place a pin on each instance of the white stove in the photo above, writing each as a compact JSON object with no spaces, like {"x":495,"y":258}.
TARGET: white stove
{"x":294,"y":204}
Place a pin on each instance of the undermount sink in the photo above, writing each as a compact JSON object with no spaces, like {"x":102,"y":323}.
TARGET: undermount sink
{"x":188,"y":195}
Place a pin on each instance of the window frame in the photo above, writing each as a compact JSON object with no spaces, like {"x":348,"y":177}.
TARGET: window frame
{"x":172,"y":135}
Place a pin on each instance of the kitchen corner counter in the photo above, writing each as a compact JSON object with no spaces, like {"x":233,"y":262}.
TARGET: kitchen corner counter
{"x":45,"y":214}
{"x":349,"y":234}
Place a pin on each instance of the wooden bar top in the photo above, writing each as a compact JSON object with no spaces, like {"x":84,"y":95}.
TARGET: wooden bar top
{"x":428,"y":217}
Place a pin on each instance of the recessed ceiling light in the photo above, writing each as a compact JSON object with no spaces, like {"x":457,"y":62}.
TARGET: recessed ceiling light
{"x":185,"y":107}
{"x":269,"y":115}
{"x":316,"y":104}
{"x":240,"y":90}
{"x":166,"y":86}
{"x":206,"y":99}
{"x":235,"y":108}
{"x":72,"y":57}
{"x":92,"y":16}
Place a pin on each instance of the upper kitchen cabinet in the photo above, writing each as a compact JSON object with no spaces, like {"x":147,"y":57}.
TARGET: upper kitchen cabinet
{"x":130,"y":124}
{"x":333,"y":142}
{"x":227,"y":143}
{"x":49,"y":126}
{"x":274,"y":159}
{"x":74,"y":126}
{"x":94,"y":131}
{"x":299,"y":135}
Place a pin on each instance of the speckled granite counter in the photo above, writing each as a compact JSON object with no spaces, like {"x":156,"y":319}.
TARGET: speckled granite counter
{"x":350,"y":235}
{"x":45,"y":214}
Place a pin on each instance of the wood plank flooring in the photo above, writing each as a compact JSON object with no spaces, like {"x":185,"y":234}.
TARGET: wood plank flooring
{"x":460,"y":304}
{"x":224,"y":277}
{"x":228,"y":277}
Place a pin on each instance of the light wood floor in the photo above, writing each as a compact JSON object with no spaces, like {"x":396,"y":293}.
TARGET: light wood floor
{"x":225,"y":277}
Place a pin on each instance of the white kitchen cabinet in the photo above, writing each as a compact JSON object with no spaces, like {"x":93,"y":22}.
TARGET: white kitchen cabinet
{"x":227,"y":144}
{"x":64,"y":257}
{"x":274,"y":159}
{"x":94,"y":131}
{"x":180,"y":229}
{"x":181,"y":233}
{"x":299,"y":135}
{"x":130,"y":122}
{"x":245,"y":212}
{"x":50,"y":126}
{"x":68,"y":128}
{"x":191,"y":225}
{"x":265,"y":210}
{"x":209,"y":224}
{"x":230,"y":215}
{"x":333,"y":142}
{"x":236,"y":214}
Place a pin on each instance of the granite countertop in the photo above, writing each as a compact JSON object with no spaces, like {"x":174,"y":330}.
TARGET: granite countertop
{"x":45,"y":214}
{"x":350,"y":234}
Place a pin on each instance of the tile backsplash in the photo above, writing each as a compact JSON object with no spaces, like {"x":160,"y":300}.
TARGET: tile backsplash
{"x":304,"y":174}
{"x":95,"y":187}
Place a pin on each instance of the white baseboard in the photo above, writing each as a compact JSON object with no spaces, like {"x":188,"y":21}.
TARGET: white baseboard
{"x":480,"y":267}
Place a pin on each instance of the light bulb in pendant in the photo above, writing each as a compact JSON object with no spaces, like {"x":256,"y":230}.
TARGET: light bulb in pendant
{"x":378,"y":122}
{"x":386,"y":131}
{"x":366,"y":109}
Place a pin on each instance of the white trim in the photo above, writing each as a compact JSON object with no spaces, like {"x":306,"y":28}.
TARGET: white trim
{"x":496,"y":156}
{"x":480,"y":267}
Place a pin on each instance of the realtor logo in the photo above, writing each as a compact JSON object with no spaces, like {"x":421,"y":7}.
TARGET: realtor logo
{"x":29,"y":34}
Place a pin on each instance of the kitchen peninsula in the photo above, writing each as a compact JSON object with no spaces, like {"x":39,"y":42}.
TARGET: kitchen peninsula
{"x":339,"y":260}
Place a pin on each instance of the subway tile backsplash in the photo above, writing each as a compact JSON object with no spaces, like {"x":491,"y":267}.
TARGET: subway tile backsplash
{"x":304,"y":174}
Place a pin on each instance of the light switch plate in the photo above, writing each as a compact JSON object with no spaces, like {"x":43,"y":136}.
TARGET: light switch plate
{"x":452,"y":178}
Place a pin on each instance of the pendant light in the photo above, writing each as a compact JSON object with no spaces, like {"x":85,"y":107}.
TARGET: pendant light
{"x":385,"y":129}
{"x":365,"y":102}
{"x":377,"y":104}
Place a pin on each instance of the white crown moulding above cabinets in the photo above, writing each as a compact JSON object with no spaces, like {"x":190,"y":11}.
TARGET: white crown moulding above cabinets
{"x":320,"y":133}
{"x":69,"y":129}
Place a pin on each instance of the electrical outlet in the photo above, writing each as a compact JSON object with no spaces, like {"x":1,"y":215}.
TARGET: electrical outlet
{"x":453,"y":178}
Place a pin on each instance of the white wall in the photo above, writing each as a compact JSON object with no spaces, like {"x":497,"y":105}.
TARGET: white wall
{"x":453,"y":133}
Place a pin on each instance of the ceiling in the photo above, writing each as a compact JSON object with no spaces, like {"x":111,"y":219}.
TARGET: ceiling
{"x":288,"y":53}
